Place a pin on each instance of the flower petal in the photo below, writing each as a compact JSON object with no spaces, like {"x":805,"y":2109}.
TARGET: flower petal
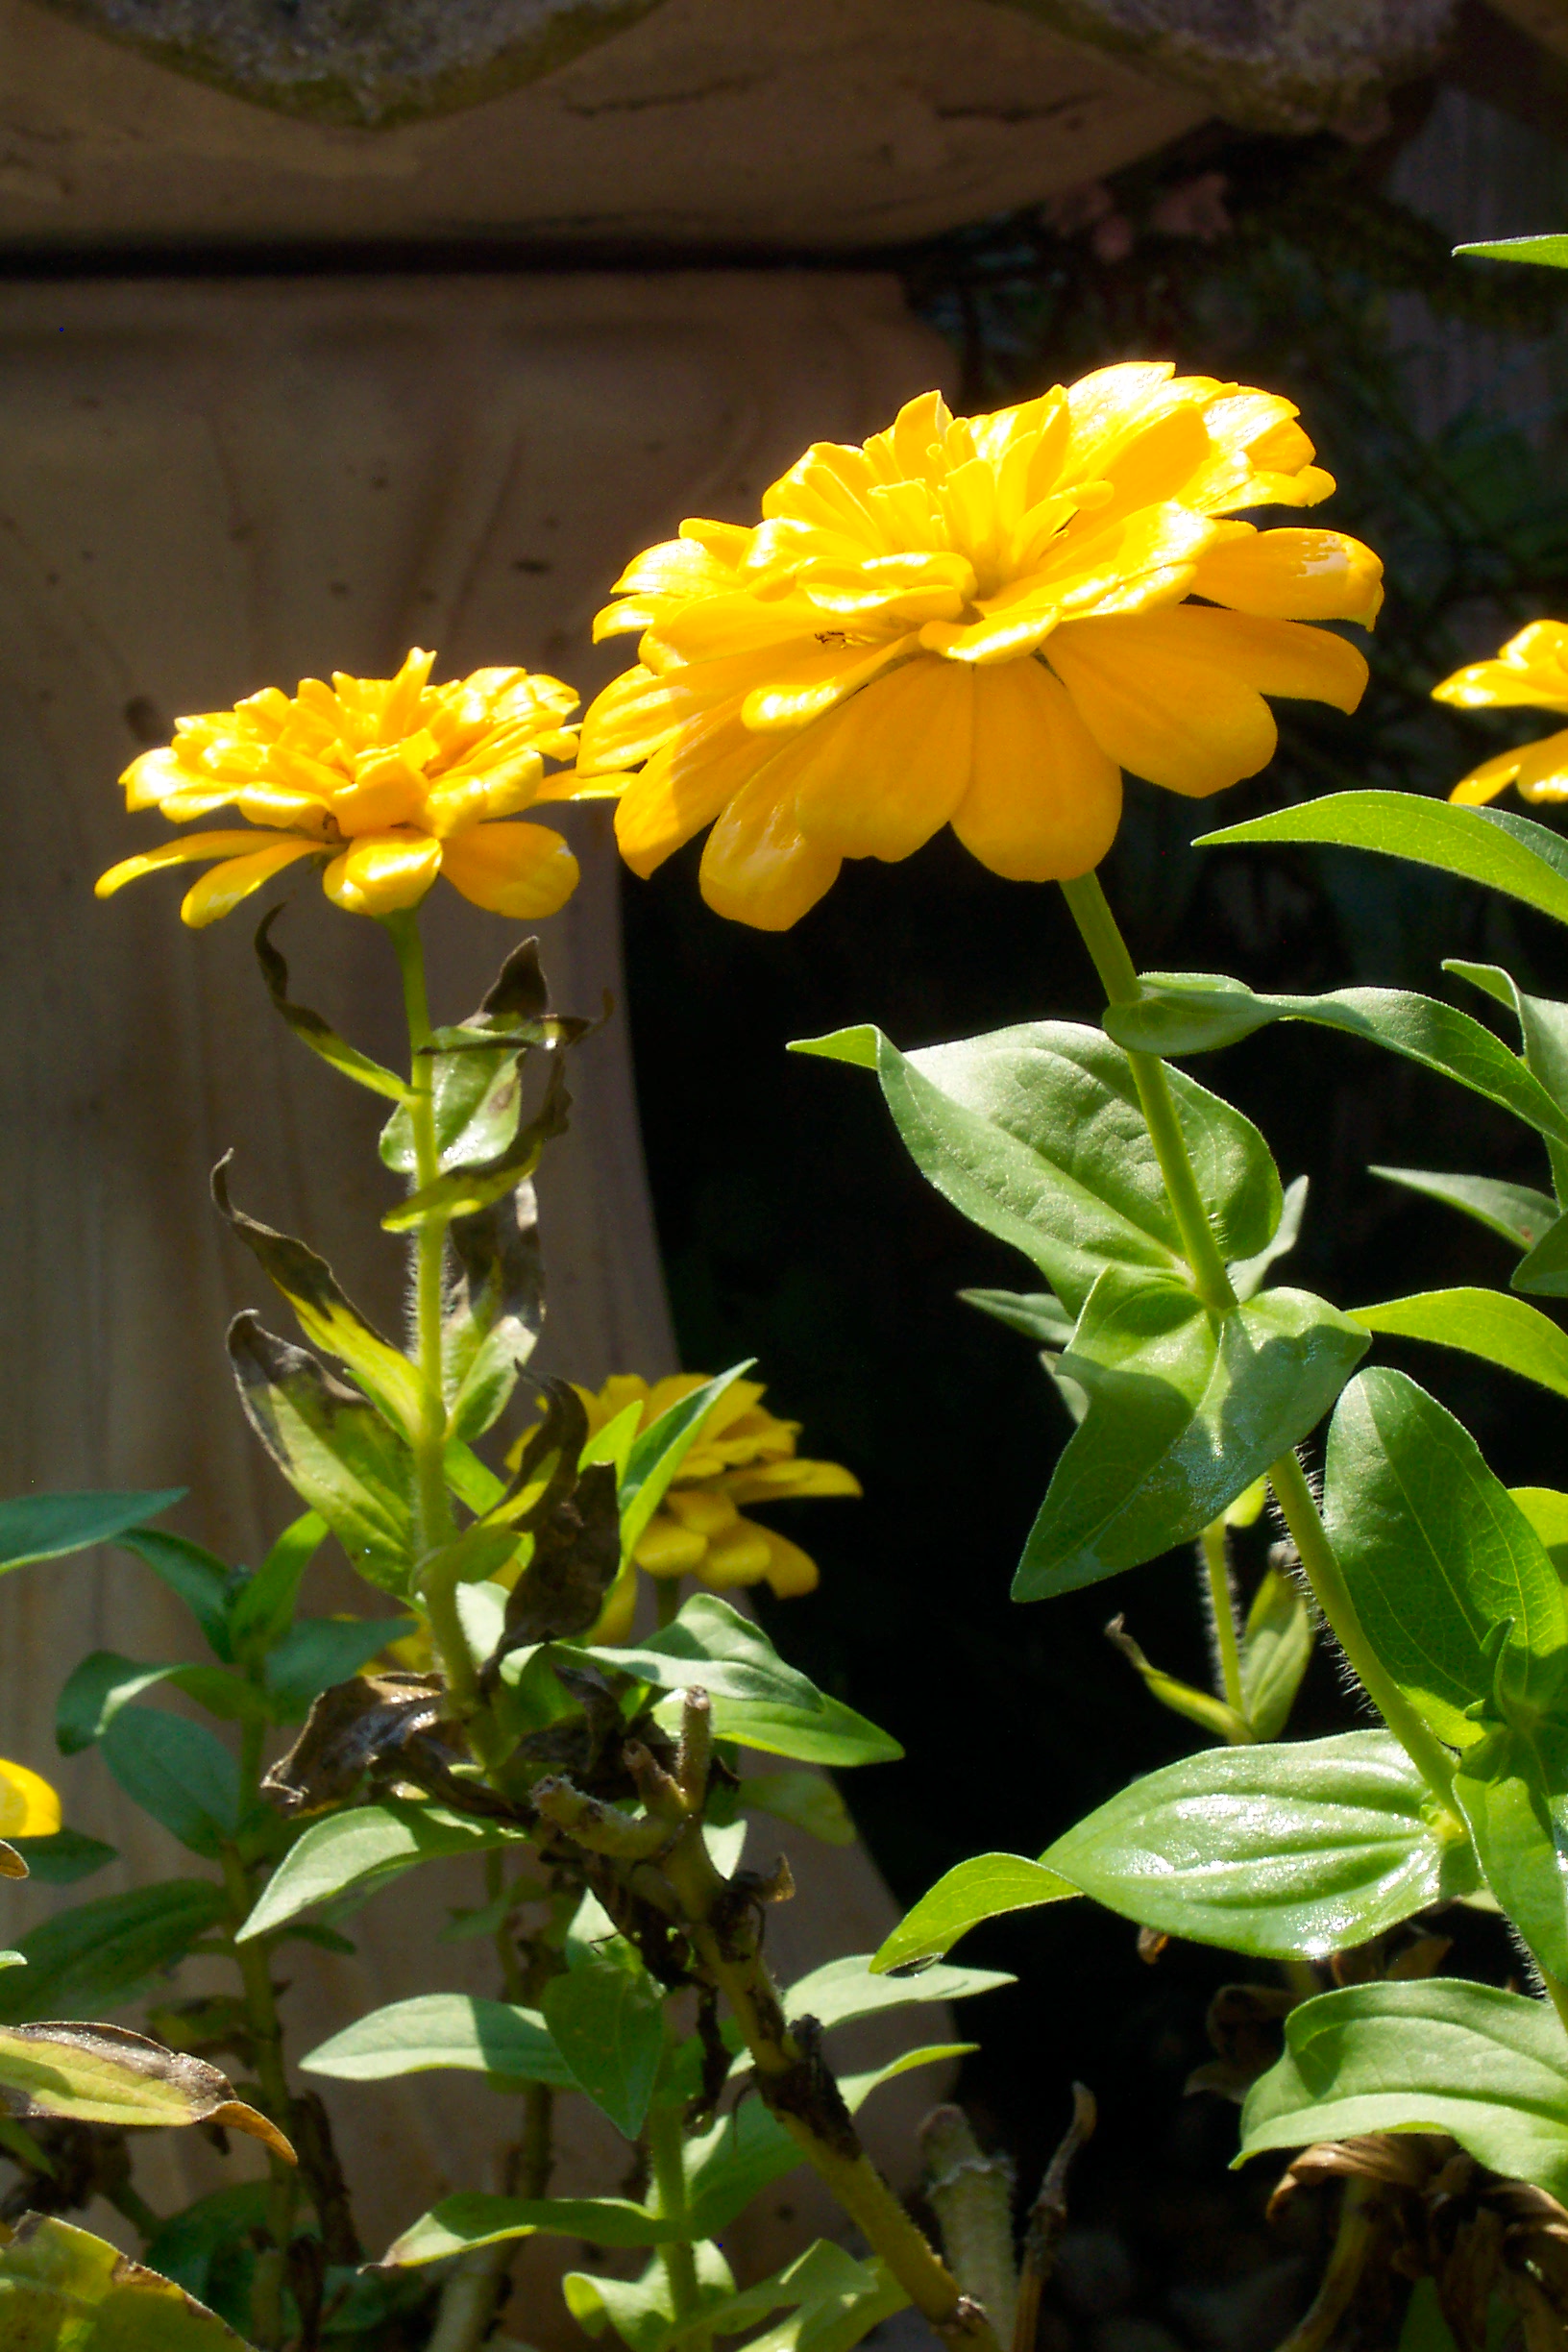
{"x":29,"y":1806}
{"x":758,"y":868}
{"x":1293,"y":575}
{"x":1045,"y":800}
{"x":685,"y":786}
{"x":790,"y":1571}
{"x":1485,"y":782}
{"x":1532,"y":668}
{"x":380,"y":872}
{"x":886,"y":769}
{"x":220,"y":891}
{"x":524,"y":870}
{"x":1542,"y":769}
{"x":189,"y":848}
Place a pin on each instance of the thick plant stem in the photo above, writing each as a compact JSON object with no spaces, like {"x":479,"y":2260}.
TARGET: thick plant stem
{"x":254,"y":1966}
{"x":1090,"y":911}
{"x":1222,"y":1601}
{"x":667,"y":2162}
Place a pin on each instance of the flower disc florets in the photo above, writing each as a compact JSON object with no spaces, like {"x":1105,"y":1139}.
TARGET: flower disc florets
{"x":981,"y":621}
{"x":387,"y":781}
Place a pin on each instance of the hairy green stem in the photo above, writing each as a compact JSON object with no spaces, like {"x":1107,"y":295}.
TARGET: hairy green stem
{"x":667,"y":2162}
{"x":1216,"y":1560}
{"x":255,"y":1964}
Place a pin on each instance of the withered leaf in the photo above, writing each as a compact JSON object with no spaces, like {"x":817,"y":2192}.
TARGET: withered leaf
{"x":577,"y":1554}
{"x":352,"y":1729}
{"x":105,"y":2073}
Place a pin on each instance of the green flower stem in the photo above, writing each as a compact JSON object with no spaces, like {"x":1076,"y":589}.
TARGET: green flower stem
{"x":1216,"y":1560}
{"x":255,"y":1964}
{"x":666,"y":2161}
{"x":1090,"y":911}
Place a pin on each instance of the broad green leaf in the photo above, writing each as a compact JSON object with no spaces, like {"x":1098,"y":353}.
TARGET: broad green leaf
{"x":262,"y":1609}
{"x":102,"y":2074}
{"x":1550,"y":250}
{"x":1544,"y":1269}
{"x":101,"y":1954}
{"x":309,"y":1027}
{"x":441,"y":2030}
{"x":1183,"y":1013}
{"x":607,"y":2024}
{"x":1213,"y":1715}
{"x":808,"y":1800}
{"x":1039,"y":1315}
{"x":1517,"y":1213}
{"x":1543,"y":1037}
{"x":104,"y":1683}
{"x":494,"y":1308}
{"x":1276,"y":1650}
{"x":1282,"y":1853}
{"x":709,"y":1643}
{"x":1547,"y":1511}
{"x":829,"y":1733}
{"x":361,"y":1850}
{"x":1486,"y":1323}
{"x":1186,"y":1410}
{"x":642,"y":2311}
{"x":202,"y":1581}
{"x":841,"y":1991}
{"x":1434,"y":1552}
{"x":477,"y":1099}
{"x":835,"y":2301}
{"x":61,"y":2290}
{"x":1428,"y":2054}
{"x":47,"y":1527}
{"x":1488,"y":845}
{"x":658,"y":1452}
{"x":465,"y":1191}
{"x":461,"y":2224}
{"x":982,"y":1888}
{"x":1522,"y":1852}
{"x":318,"y":1651}
{"x":176,"y":1771}
{"x":1036,"y":1134}
{"x":1249,"y":1274}
{"x":197,"y":2247}
{"x":325,"y":1316}
{"x":63,"y":1859}
{"x":336,"y":1451}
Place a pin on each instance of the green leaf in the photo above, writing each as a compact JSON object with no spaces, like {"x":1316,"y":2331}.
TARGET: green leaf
{"x":712,"y":1645}
{"x":494,"y":1308}
{"x":461,"y":2224}
{"x":1544,"y":1269}
{"x":1502,"y":851}
{"x":1550,"y":250}
{"x":336,"y":1451}
{"x":1249,"y":1274}
{"x":464,"y":1190}
{"x":309,"y":1027}
{"x":100,"y":1955}
{"x":1282,"y":1853}
{"x":607,"y":2024}
{"x":1486,"y":1323}
{"x":1182,"y":1013}
{"x":1039,"y":1315}
{"x":1186,"y":1410}
{"x":1517,"y":1213}
{"x":808,"y":1800}
{"x":1543,"y":1028}
{"x":1276,"y":1651}
{"x":317,"y":1651}
{"x":982,"y":1888}
{"x":477,"y":1099}
{"x":176,"y":1771}
{"x":841,"y":1991}
{"x":1434,"y":1552}
{"x":1200,"y":1707}
{"x":63,"y":1859}
{"x":192,"y":2245}
{"x":1425,"y":2328}
{"x":261,"y":1611}
{"x":658,"y":1452}
{"x":103,"y":2075}
{"x":202,"y":1581}
{"x":61,"y":2290}
{"x":443,"y":2031}
{"x":324,"y":1314}
{"x":828,"y":1733}
{"x":1037,"y":1135}
{"x":1430,"y":2054}
{"x":1547,"y":1511}
{"x":642,"y":2311}
{"x":364,"y":1849}
{"x":104,"y":1683}
{"x":1520,"y":1851}
{"x":47,"y":1527}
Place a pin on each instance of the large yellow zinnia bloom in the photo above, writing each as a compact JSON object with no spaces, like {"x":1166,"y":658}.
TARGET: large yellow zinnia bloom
{"x":1532,"y":668}
{"x":978,"y":621}
{"x":387,"y":781}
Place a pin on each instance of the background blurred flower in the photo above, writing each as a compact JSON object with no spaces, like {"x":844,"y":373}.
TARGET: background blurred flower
{"x":981,"y":621}
{"x":29,"y":1806}
{"x":387,"y":782}
{"x":1532,"y":668}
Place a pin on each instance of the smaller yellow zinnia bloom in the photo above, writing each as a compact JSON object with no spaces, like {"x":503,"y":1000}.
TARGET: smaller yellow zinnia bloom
{"x":29,"y":1806}
{"x":1532,"y":668}
{"x":387,"y":782}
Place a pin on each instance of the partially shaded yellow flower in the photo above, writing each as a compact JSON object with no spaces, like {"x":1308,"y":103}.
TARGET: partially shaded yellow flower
{"x":977,"y":621}
{"x":387,"y":782}
{"x":29,"y":1806}
{"x":1533,"y":668}
{"x":742,"y":1454}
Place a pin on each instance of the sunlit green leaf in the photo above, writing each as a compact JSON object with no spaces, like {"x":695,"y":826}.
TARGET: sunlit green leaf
{"x":101,"y":1954}
{"x":982,"y":1888}
{"x":361,"y":1850}
{"x":1213,"y":1715}
{"x":829,"y":1733}
{"x":1550,"y":250}
{"x":443,"y":2031}
{"x":47,"y":1527}
{"x":1276,"y":1650}
{"x":1517,"y":1213}
{"x":1501,"y":1329}
{"x":61,"y":2290}
{"x":607,"y":2024}
{"x":176,"y":1771}
{"x":843,"y":1990}
{"x":461,"y":2224}
{"x":261,"y":1610}
{"x":808,"y":1800}
{"x":657,"y":1453}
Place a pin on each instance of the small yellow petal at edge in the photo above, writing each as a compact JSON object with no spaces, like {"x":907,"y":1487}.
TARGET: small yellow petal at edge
{"x":221,"y":889}
{"x":29,"y":1806}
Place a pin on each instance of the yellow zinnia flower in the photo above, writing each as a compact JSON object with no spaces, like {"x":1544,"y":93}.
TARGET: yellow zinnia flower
{"x":978,"y":621}
{"x":387,"y":781}
{"x":29,"y":1806}
{"x":1532,"y":668}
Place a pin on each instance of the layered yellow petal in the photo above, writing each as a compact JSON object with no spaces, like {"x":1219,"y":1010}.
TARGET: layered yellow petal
{"x":1293,"y":575}
{"x":1538,"y":770}
{"x":1044,"y":800}
{"x":743,"y":1555}
{"x":218,"y":893}
{"x":381,"y":873}
{"x":29,"y":1806}
{"x":758,"y":868}
{"x":524,"y":870}
{"x":888,"y":767}
{"x":1532,"y":668}
{"x":667,"y":1549}
{"x":685,"y":786}
{"x":1485,"y":782}
{"x":790,"y":1571}
{"x":188,"y":850}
